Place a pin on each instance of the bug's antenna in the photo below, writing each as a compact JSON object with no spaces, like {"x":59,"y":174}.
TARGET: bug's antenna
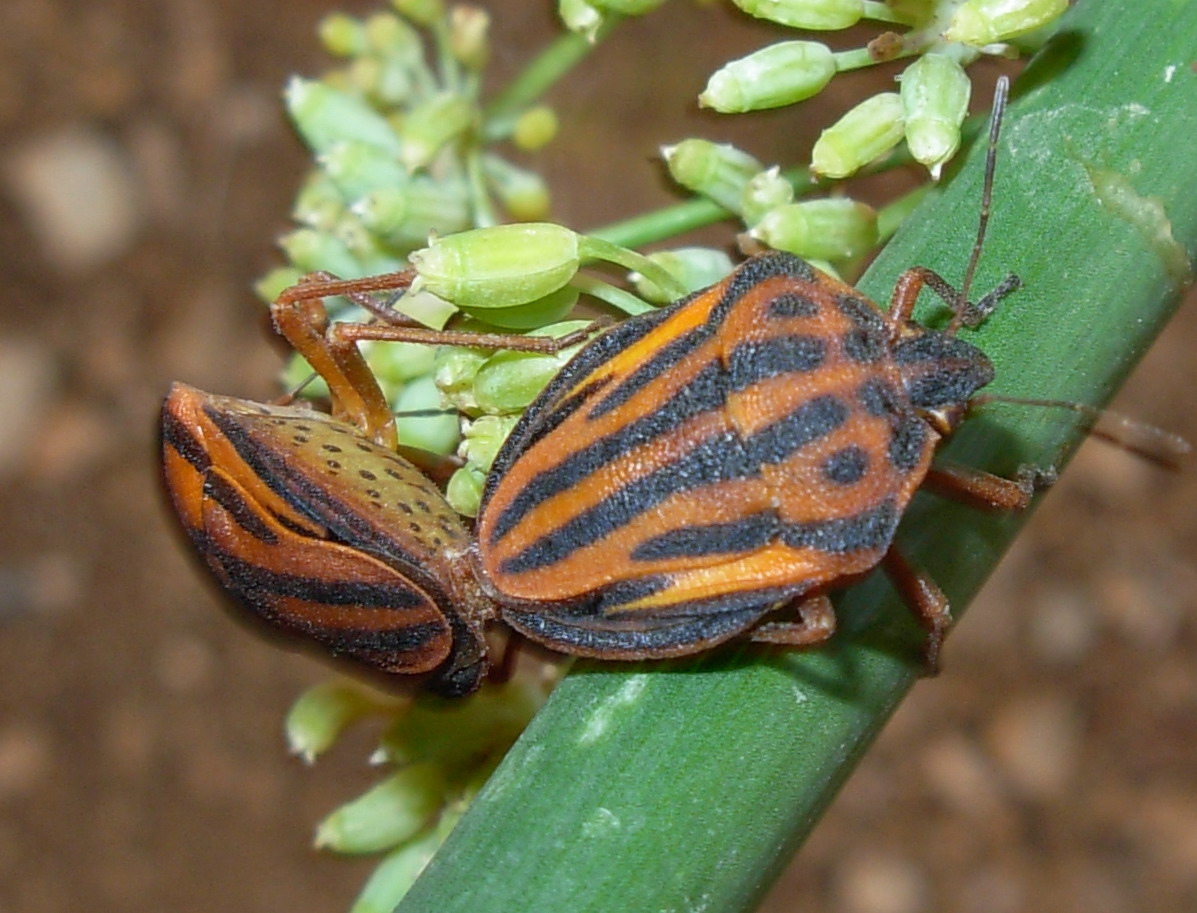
{"x":1001,"y":90}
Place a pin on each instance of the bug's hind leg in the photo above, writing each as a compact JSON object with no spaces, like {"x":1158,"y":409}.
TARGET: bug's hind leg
{"x":925,"y":599}
{"x":815,"y":623}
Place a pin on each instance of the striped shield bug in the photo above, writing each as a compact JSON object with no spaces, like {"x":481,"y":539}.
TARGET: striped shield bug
{"x":714,"y":468}
{"x":316,"y":526}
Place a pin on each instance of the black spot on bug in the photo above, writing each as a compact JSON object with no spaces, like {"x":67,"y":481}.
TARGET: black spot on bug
{"x":791,"y":304}
{"x":332,"y":464}
{"x":305,"y":428}
{"x":364,"y":447}
{"x":404,"y":507}
{"x":394,"y":474}
{"x":423,"y":507}
{"x":373,"y":493}
{"x":847,"y":466}
{"x":331,"y":448}
{"x":301,"y":439}
{"x":367,"y":475}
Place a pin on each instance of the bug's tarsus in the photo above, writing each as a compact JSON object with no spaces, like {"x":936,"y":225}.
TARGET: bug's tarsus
{"x":814,"y":623}
{"x":976,"y":314}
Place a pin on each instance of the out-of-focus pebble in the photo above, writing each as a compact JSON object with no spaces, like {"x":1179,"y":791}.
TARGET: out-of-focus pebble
{"x":1063,"y":627}
{"x":79,"y":194}
{"x":28,"y":379}
{"x":1036,"y":743}
{"x":874,"y":881}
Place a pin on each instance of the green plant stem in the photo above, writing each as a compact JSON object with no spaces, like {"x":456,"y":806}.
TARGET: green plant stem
{"x":687,"y":786}
{"x":540,"y":75}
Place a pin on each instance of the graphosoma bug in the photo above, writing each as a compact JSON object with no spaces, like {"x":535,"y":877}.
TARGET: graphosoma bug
{"x":323,"y":532}
{"x":695,"y":469}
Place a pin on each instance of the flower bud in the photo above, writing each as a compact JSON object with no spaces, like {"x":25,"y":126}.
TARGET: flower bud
{"x":394,"y":876}
{"x":384,"y":816}
{"x":468,"y":26}
{"x":718,"y":171}
{"x":432,"y":124}
{"x":523,"y":193}
{"x":529,"y":316}
{"x":806,"y":14}
{"x":835,"y":229}
{"x":483,"y":437}
{"x":628,"y":7}
{"x":455,"y":371}
{"x":421,"y":12}
{"x":325,"y":116}
{"x":767,"y":190}
{"x":694,"y":267}
{"x":464,"y":490}
{"x":780,"y":74}
{"x":435,"y":433}
{"x":869,"y":130}
{"x":982,"y":22}
{"x":357,"y":168}
{"x":342,"y":35}
{"x":499,"y":266}
{"x":580,"y":16}
{"x":406,"y":213}
{"x":535,"y":128}
{"x":319,"y":203}
{"x":935,"y":91}
{"x":312,"y":250}
{"x":508,"y":381}
{"x":399,"y":363}
{"x":324,"y":711}
{"x":389,"y":36}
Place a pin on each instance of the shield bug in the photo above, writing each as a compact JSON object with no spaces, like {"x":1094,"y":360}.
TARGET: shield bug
{"x":694,"y":471}
{"x":316,"y":526}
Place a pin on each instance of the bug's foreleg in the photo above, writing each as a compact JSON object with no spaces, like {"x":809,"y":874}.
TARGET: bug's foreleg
{"x":987,"y":491}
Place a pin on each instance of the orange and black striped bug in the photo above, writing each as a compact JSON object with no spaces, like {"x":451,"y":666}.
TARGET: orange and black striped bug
{"x":320,"y":531}
{"x":712,"y":469}
{"x":702,"y":472}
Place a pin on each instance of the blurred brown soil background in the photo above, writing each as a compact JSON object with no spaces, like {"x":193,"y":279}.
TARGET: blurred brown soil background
{"x":145,"y":169}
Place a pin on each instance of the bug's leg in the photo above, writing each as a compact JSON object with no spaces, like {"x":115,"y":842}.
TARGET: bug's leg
{"x":925,"y":599}
{"x":912,"y":282}
{"x":301,"y":318}
{"x":985,"y":491}
{"x":817,"y":624}
{"x":546,"y":345}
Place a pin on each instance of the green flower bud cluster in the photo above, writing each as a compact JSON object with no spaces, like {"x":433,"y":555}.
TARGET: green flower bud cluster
{"x":437,"y":755}
{"x":400,"y":141}
{"x":823,"y":230}
{"x":945,"y":36}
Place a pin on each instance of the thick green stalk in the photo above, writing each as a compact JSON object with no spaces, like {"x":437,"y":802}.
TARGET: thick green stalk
{"x":687,"y":786}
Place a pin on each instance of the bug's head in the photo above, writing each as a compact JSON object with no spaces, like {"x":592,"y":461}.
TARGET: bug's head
{"x":940,"y":373}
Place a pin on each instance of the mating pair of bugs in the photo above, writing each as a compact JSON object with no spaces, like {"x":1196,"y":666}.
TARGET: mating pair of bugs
{"x":703,"y":472}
